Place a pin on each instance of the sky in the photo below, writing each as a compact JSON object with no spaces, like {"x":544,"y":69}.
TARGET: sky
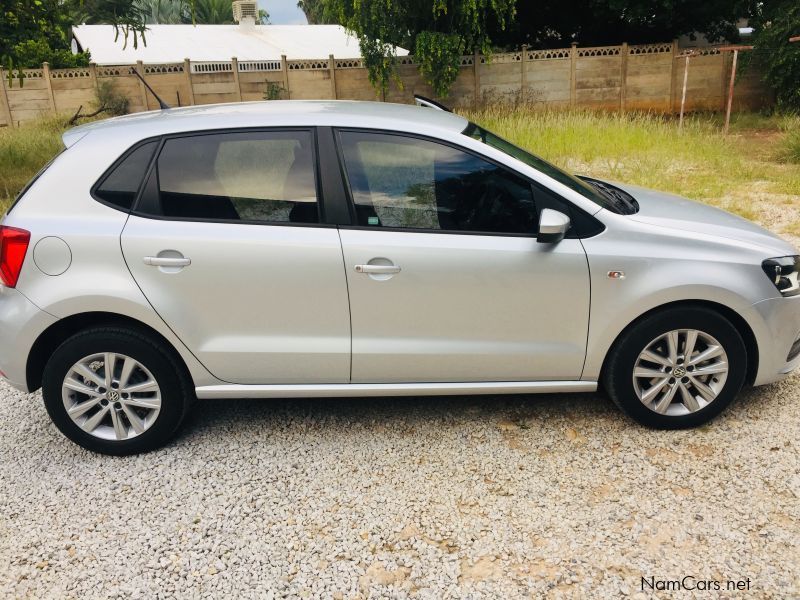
{"x":283,"y":12}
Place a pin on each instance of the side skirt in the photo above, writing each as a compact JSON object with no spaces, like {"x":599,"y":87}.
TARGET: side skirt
{"x":343,"y":390}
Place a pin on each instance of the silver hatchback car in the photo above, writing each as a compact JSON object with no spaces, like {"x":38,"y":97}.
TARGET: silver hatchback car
{"x":283,"y":249}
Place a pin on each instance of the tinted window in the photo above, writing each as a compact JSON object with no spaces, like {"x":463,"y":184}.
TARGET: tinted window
{"x":572,"y":182}
{"x":247,"y":176}
{"x":398,"y":181}
{"x":122,"y":184}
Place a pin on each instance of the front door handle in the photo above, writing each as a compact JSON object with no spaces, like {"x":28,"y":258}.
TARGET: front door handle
{"x":164,"y":261}
{"x":377,"y":269}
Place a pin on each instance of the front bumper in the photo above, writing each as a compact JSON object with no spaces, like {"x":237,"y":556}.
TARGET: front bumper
{"x":781,"y":330}
{"x":21,"y":323}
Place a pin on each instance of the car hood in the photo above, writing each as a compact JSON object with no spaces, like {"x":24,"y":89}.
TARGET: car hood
{"x":668,"y":210}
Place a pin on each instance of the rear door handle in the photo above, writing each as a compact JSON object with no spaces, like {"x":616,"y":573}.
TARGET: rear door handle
{"x":163,"y":261}
{"x":377,"y":269}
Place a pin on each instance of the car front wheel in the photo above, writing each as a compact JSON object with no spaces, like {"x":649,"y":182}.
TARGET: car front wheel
{"x":677,"y":368}
{"x":115,"y":391}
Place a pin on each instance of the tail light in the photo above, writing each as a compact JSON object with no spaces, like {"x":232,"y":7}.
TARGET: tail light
{"x":13,"y":247}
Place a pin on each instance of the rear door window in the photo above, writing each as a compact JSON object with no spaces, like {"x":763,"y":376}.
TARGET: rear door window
{"x":254,"y":176}
{"x":121,"y":186}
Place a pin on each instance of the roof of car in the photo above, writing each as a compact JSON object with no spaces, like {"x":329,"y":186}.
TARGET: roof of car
{"x":287,"y":113}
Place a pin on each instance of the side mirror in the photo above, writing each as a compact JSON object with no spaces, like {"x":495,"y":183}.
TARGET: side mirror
{"x":553,"y":226}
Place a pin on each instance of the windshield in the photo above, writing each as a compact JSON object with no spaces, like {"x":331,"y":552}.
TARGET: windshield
{"x":583,"y":188}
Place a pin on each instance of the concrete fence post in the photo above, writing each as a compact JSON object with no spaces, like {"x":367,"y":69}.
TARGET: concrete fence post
{"x":523,"y":78}
{"x":723,"y":57}
{"x":237,"y":87}
{"x":573,"y":74}
{"x":285,"y":71}
{"x":93,"y":75}
{"x":4,"y":98}
{"x":46,"y":76}
{"x":623,"y":75}
{"x":332,"y":71}
{"x":142,"y":89}
{"x":672,"y":75}
{"x":187,"y":71}
{"x":476,"y":67}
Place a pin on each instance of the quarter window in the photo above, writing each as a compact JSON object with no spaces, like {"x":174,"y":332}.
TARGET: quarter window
{"x":122,"y":184}
{"x":398,"y":181}
{"x":263,"y":176}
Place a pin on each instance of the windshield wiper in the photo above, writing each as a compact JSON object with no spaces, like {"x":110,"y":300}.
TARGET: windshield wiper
{"x":623,"y":201}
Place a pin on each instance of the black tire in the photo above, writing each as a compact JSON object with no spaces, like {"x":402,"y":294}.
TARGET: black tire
{"x":175,"y":386}
{"x":618,"y":371}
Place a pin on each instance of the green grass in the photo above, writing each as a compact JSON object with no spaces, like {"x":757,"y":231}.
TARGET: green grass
{"x":696,"y":161}
{"x":751,"y":171}
{"x":789,"y":147}
{"x":23,"y":151}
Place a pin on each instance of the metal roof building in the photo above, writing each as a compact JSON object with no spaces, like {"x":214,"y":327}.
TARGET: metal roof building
{"x":174,"y":43}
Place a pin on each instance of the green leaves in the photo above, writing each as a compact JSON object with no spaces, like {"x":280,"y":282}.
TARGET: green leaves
{"x":202,"y":12}
{"x":779,"y":59}
{"x":127,"y":16}
{"x":36,"y":31}
{"x":438,"y":32}
{"x":606,"y":22}
{"x":315,"y":12}
{"x":438,"y":56}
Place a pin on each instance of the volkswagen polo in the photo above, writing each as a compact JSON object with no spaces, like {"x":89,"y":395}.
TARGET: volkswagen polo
{"x":283,"y":249}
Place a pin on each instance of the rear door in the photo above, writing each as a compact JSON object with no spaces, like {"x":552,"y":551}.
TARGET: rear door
{"x":227,"y":244}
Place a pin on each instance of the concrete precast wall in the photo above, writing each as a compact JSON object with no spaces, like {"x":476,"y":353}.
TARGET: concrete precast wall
{"x":643,"y":77}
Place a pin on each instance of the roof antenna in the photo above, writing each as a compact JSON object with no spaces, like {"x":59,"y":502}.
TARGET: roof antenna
{"x":428,"y":103}
{"x":163,"y":105}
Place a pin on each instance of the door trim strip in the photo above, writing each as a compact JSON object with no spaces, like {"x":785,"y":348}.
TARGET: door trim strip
{"x":344,"y":390}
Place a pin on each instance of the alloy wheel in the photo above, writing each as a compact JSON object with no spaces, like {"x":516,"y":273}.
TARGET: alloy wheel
{"x":680,"y":372}
{"x":111,"y":396}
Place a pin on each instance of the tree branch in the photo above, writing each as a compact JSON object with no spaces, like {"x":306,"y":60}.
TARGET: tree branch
{"x":78,"y":114}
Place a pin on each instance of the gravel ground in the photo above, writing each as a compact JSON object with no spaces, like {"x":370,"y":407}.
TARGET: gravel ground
{"x":495,"y":497}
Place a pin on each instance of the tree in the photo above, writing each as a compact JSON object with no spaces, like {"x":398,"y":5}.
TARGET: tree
{"x":33,"y":32}
{"x":37,"y":31}
{"x":201,"y":12}
{"x":438,"y":32}
{"x":315,"y":12}
{"x":163,"y":12}
{"x":215,"y":12}
{"x":603,"y":22}
{"x":778,"y":59}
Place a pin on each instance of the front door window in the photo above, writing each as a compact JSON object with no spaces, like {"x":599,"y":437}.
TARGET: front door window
{"x":411,"y":183}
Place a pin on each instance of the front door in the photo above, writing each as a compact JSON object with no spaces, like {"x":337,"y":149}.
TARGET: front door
{"x":227,"y":246}
{"x":447,"y":281}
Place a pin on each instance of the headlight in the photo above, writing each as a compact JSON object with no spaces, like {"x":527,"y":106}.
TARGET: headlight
{"x":783,"y":272}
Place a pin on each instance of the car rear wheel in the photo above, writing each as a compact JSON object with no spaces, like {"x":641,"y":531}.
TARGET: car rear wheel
{"x":115,"y":391}
{"x":677,"y":368}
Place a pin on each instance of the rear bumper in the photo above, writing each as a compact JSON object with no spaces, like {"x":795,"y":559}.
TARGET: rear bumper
{"x":21,"y":323}
{"x":781,"y":320}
